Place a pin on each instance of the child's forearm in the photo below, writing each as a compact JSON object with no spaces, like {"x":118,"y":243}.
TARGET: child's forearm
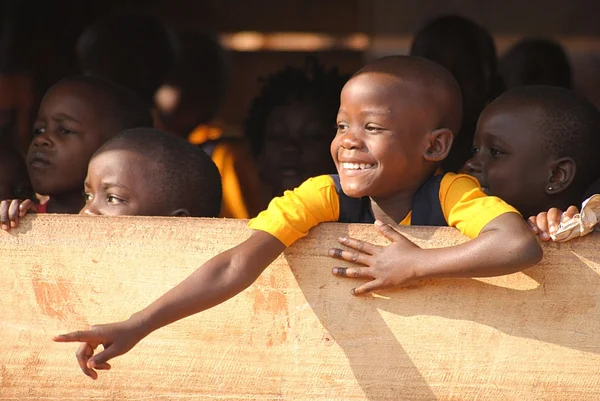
{"x":504,"y":246}
{"x":216,"y":281}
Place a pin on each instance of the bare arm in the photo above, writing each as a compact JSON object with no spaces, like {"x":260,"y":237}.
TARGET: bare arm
{"x":504,"y":246}
{"x":219,"y":279}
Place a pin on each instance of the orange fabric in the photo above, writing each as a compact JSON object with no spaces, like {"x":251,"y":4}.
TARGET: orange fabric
{"x":239,"y":175}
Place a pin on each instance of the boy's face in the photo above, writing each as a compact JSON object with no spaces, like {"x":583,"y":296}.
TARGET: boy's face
{"x":510,"y":161}
{"x":119,"y":183}
{"x":71,"y":125}
{"x":296,"y":145}
{"x":381,"y":137}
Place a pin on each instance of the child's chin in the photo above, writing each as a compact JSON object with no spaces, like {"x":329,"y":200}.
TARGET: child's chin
{"x":354,"y":192}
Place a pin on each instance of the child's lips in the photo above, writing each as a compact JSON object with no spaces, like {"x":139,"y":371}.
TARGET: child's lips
{"x":40,"y":161}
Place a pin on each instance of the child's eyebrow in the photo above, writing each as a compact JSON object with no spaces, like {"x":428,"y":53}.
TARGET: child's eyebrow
{"x":109,"y":185}
{"x":62,"y":117}
{"x":376,"y":112}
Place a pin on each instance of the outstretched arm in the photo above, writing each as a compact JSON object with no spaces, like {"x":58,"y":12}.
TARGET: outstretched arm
{"x":505,"y":245}
{"x":219,"y":279}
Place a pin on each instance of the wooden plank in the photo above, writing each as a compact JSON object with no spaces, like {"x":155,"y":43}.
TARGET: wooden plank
{"x":297,"y":333}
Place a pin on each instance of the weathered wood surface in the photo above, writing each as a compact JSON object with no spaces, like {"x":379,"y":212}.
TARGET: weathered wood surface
{"x":297,"y":333}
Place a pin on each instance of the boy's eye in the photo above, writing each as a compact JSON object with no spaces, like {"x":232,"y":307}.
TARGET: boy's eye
{"x":88,"y":197}
{"x":342,"y":126}
{"x":65,"y":131}
{"x":474,"y":150}
{"x":373,"y":128}
{"x":114,"y":200}
{"x":38,"y":131}
{"x":495,"y":152}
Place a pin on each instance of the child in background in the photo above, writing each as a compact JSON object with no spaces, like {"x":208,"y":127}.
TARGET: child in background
{"x":536,"y":62}
{"x":146,"y":172}
{"x":535,"y":147}
{"x":395,"y":126}
{"x":291,"y":123}
{"x":188,"y":105}
{"x":468,"y":51}
{"x":133,"y":50}
{"x":76,"y":116}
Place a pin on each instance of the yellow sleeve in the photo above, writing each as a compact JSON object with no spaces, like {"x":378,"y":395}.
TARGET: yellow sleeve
{"x":466,"y":206}
{"x":239,"y":177}
{"x":290,"y":217}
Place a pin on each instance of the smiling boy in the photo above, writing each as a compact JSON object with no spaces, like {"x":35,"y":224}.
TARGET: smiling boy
{"x":396,"y":123}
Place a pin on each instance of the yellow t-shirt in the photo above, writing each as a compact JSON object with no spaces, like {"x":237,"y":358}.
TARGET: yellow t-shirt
{"x":291,"y":216}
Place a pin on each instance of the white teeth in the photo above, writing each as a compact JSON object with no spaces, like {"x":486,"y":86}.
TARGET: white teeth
{"x":356,"y":166}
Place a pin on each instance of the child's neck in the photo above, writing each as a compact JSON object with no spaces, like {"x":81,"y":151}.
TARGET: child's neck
{"x":67,"y":203}
{"x":392,"y":210}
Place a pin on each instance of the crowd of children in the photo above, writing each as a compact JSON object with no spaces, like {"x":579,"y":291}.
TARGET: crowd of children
{"x":385,"y":146}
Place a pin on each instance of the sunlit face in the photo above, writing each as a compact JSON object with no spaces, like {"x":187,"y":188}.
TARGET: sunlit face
{"x":71,"y":125}
{"x":121,"y":182}
{"x":509,"y":159}
{"x":381,"y":137}
{"x":296,"y":146}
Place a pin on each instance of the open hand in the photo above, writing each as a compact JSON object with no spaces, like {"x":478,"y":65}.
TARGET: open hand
{"x":546,"y":223}
{"x":116,"y":338}
{"x":13,"y":209}
{"x":386,"y":266}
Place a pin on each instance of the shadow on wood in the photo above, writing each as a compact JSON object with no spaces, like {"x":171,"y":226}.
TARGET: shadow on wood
{"x":297,"y":333}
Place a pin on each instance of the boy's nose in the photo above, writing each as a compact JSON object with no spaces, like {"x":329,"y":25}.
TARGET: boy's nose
{"x":89,"y":210}
{"x":473,"y":165}
{"x":350,"y":141}
{"x":42,"y":140}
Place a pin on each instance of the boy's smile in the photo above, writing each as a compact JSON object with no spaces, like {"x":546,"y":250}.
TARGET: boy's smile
{"x":380,"y":137}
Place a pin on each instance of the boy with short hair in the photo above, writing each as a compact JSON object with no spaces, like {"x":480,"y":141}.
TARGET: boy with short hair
{"x":76,"y":116}
{"x":146,"y":172}
{"x":547,"y":137}
{"x":396,"y":123}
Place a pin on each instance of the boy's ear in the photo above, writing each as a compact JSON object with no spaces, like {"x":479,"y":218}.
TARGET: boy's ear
{"x":181,"y":213}
{"x":439,"y":143}
{"x":562,"y":174}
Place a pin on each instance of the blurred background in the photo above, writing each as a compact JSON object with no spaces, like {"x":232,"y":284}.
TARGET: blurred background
{"x":262,"y":36}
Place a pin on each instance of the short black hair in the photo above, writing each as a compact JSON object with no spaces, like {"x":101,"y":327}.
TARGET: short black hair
{"x":312,"y":82}
{"x":570,"y":126}
{"x":187,"y":177}
{"x":133,"y":50}
{"x":536,"y":62}
{"x":127,"y":108}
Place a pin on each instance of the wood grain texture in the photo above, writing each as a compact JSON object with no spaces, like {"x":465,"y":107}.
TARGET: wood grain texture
{"x":297,"y":333}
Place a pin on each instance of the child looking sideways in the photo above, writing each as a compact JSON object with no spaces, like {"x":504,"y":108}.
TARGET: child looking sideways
{"x":395,"y":125}
{"x":76,"y":116}
{"x":143,"y":171}
{"x":146,"y":172}
{"x":535,"y":147}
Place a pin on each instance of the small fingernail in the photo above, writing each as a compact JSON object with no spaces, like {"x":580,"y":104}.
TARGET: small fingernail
{"x":13,"y":224}
{"x":544,"y":235}
{"x":378,"y":223}
{"x":334,"y":270}
{"x":342,"y":239}
{"x":353,"y":291}
{"x":331,"y":252}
